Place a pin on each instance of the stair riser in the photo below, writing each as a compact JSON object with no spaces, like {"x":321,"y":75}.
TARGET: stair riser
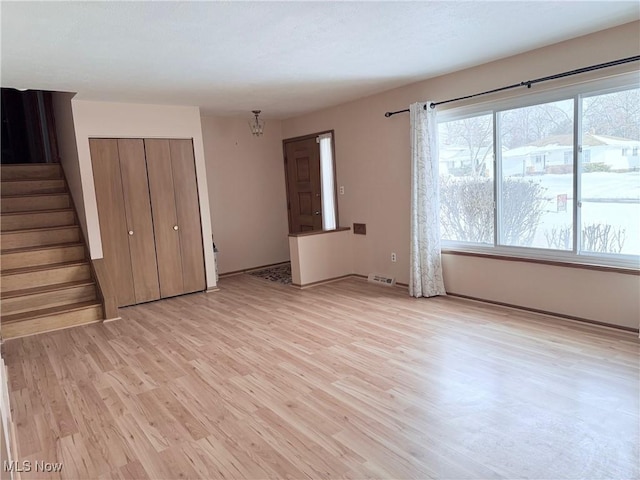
{"x":19,"y":281}
{"x":30,"y":204}
{"x":52,"y":322}
{"x":33,"y":187}
{"x":30,"y":172}
{"x":40,"y":238}
{"x":42,"y":257}
{"x":36,"y":220}
{"x":26,"y":303}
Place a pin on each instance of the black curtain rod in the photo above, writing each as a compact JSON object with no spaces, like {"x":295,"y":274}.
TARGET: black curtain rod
{"x":528,"y":83}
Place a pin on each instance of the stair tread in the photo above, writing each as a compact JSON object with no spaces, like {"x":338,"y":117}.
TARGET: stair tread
{"x":29,"y":212}
{"x":39,"y":268}
{"x":31,"y":164}
{"x":58,"y":227}
{"x":37,"y":179}
{"x":44,"y":312}
{"x":41,"y":247}
{"x":45,"y":289}
{"x":23,"y":195}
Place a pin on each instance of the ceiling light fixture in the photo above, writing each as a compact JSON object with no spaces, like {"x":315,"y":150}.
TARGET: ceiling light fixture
{"x":256,"y":125}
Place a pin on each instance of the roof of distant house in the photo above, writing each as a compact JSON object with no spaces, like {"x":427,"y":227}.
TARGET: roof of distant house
{"x":588,"y":140}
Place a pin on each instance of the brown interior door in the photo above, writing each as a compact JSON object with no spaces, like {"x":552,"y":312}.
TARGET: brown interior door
{"x":302,"y":164}
{"x":111,"y":211}
{"x":137,"y":205}
{"x":165,"y":217}
{"x":188,"y":214}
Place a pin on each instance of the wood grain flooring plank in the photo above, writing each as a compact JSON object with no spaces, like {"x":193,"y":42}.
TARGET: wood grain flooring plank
{"x":130,"y":471}
{"x":205,"y":404}
{"x":229,"y":462}
{"x":156,"y":416}
{"x":345,"y":380}
{"x":180,"y":465}
{"x":247,"y":443}
{"x":238,"y":405}
{"x":72,"y":453}
{"x":142,"y":446}
{"x":30,"y":442}
{"x":304,"y":454}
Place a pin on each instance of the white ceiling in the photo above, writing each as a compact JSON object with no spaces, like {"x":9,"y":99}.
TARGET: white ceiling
{"x":286,"y":58}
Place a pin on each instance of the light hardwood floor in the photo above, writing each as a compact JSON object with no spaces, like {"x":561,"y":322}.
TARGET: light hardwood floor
{"x":346,"y":380}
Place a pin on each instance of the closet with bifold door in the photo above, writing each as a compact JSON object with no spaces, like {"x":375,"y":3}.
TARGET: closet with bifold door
{"x":149,"y":213}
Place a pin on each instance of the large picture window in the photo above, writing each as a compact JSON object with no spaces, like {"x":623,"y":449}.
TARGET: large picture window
{"x":556,"y":178}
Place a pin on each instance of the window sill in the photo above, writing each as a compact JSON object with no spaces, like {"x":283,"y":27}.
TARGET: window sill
{"x":557,"y":263}
{"x":319,"y":232}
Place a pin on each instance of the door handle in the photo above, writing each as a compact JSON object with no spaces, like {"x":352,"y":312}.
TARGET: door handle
{"x":316,"y":213}
{"x":175,"y":227}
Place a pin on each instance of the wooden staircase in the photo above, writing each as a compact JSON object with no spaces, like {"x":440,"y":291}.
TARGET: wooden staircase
{"x":46,"y":278}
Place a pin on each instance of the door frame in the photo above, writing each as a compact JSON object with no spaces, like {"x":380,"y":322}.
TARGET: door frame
{"x":333,"y":158}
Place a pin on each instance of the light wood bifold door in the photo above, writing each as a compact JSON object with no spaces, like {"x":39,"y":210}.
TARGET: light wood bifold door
{"x":122,"y":194}
{"x":176,"y":215}
{"x":149,"y":214}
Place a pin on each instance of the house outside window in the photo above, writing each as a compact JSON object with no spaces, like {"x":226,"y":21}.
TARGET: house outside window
{"x":519,"y":191}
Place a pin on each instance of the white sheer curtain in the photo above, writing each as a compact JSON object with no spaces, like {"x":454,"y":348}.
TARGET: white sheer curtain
{"x":326,"y":184}
{"x":425,"y":277}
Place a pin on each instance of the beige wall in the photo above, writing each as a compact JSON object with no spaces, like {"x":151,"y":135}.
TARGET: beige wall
{"x":604,"y":297}
{"x":68,"y":150}
{"x":247,"y":193}
{"x":319,"y":257}
{"x":122,"y":120}
{"x":373,"y":160}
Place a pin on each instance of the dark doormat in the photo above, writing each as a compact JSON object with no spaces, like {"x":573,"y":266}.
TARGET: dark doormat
{"x":278,"y":273}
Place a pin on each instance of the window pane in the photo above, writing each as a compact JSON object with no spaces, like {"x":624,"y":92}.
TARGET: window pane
{"x":610,"y":176}
{"x":327,"y":185}
{"x":536,"y":185}
{"x":466,"y":179}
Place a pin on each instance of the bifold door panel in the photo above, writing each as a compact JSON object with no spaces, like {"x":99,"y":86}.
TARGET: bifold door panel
{"x":113,"y":227}
{"x":165,"y":218}
{"x":188,"y":211}
{"x":138,"y":220}
{"x":149,"y":213}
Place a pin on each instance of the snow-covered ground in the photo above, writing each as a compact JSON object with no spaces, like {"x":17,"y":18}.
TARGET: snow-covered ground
{"x":607,"y":198}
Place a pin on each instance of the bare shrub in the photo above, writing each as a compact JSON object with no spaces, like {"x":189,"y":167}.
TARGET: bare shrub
{"x":603,"y":238}
{"x":522,"y":208}
{"x":560,"y":238}
{"x":597,"y":237}
{"x":467,"y":206}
